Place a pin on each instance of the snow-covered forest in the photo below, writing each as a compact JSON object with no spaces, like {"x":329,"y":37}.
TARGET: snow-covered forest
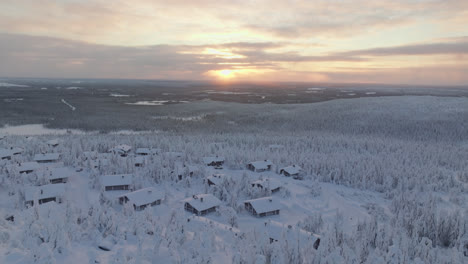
{"x":385,"y":180}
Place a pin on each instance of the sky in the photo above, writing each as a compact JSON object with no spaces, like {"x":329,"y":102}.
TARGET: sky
{"x":343,"y":41}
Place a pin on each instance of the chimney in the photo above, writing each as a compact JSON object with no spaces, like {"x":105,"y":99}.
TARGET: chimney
{"x":201,"y":199}
{"x":42,"y":192}
{"x":271,"y":200}
{"x":194,"y":196}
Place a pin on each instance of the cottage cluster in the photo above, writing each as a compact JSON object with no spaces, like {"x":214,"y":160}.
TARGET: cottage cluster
{"x":53,"y":180}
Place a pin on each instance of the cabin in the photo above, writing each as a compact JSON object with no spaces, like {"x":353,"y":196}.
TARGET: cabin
{"x":53,"y":143}
{"x":142,"y":198}
{"x":201,"y":204}
{"x":28,"y":167}
{"x":215,"y":179}
{"x":260,"y":166}
{"x":5,"y":154}
{"x":216,"y":161}
{"x":294,"y":236}
{"x":146,"y":151}
{"x":292,"y":171}
{"x":44,"y":194}
{"x":47,"y":157}
{"x":58,"y":175}
{"x":139,"y":161}
{"x":267,"y":184}
{"x":119,"y":182}
{"x":262,"y":207}
{"x":121,"y":150}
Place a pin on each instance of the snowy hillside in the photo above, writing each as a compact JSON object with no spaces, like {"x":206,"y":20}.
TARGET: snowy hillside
{"x":368,"y":180}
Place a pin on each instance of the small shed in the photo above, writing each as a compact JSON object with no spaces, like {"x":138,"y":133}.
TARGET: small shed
{"x":47,"y":157}
{"x":267,"y":184}
{"x":44,"y":194}
{"x":262,"y":207}
{"x":292,"y":171}
{"x":260,"y":166}
{"x":119,"y":182}
{"x":201,"y":204}
{"x":216,"y":161}
{"x":142,"y":198}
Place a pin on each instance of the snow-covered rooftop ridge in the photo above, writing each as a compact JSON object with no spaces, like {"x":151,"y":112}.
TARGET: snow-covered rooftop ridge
{"x":263,"y":164}
{"x":144,"y":196}
{"x":209,"y":160}
{"x":202,"y":202}
{"x":293,"y":169}
{"x":47,"y":157}
{"x":116,"y":180}
{"x":264,"y":204}
{"x":42,"y":192}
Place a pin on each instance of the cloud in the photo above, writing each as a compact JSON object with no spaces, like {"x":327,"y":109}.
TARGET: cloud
{"x":415,"y":49}
{"x":34,"y":56}
{"x":52,"y":57}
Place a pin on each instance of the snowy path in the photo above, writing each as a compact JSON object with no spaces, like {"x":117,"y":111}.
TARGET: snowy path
{"x":71,"y":106}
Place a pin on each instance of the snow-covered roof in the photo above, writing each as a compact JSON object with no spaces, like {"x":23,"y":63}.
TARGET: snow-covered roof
{"x":58,"y":173}
{"x":53,"y":142}
{"x":144,"y":196}
{"x":122,"y":148}
{"x":16,"y":150}
{"x":264,"y":204}
{"x":47,"y":157}
{"x":174,"y":154}
{"x":139,"y":160}
{"x":147,"y":151}
{"x":209,"y":160}
{"x":202,"y":202}
{"x":261,"y":164}
{"x":116,"y":180}
{"x":43,"y":192}
{"x":28,"y":166}
{"x":5,"y":153}
{"x":269,"y":183}
{"x":217,"y":179}
{"x":294,"y":169}
{"x":282,"y":232}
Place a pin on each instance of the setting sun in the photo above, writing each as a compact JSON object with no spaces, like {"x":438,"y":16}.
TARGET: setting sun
{"x":226,"y":73}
